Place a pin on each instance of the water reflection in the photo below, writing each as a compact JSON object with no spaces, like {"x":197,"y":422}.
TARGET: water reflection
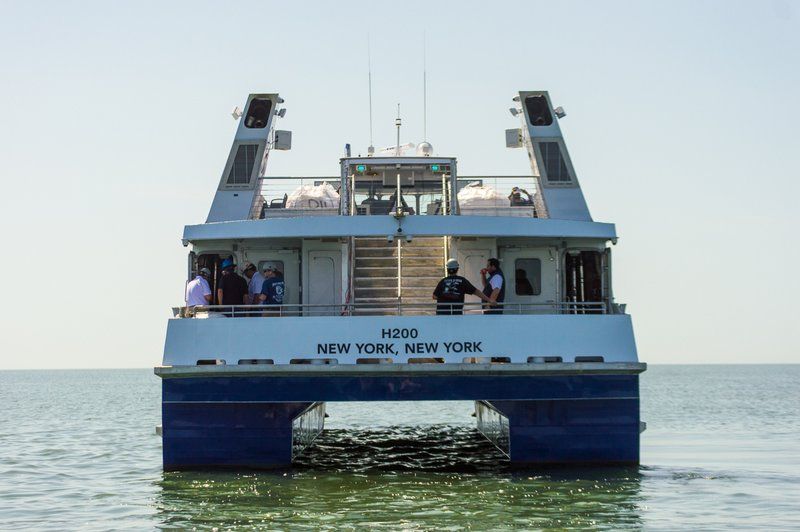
{"x":402,"y":477}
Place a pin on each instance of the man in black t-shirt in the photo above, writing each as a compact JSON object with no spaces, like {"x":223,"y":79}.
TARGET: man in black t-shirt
{"x":449,"y":293}
{"x":232,"y":288}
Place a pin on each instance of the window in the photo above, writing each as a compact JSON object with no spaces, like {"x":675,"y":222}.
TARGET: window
{"x":258,"y":113}
{"x":243,"y":164}
{"x":538,"y":111}
{"x":528,"y":277}
{"x":554,"y":164}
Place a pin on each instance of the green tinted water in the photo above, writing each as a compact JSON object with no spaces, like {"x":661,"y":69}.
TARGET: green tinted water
{"x":78,"y":451}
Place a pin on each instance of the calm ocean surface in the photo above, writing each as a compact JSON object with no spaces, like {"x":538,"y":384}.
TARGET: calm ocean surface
{"x":78,"y":450}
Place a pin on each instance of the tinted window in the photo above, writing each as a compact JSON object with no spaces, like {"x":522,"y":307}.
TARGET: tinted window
{"x":258,"y":113}
{"x":528,"y":277}
{"x":243,"y":164}
{"x":538,"y":111}
{"x":554,"y":163}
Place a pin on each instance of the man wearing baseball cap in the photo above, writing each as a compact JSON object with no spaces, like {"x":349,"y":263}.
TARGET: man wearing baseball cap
{"x":273,"y":290}
{"x":254,"y":282}
{"x":232,"y":289}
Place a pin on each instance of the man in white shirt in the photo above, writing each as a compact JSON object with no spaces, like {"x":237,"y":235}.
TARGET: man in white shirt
{"x":254,"y":281}
{"x":198,"y":292}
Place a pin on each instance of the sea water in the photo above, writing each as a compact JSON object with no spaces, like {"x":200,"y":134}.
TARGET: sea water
{"x":78,"y":451}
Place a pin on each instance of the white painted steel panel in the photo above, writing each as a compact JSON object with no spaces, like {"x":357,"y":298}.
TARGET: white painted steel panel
{"x":515,"y":336}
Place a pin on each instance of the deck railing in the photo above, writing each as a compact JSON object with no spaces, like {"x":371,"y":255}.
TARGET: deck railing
{"x":283,"y":197}
{"x":384,"y":309}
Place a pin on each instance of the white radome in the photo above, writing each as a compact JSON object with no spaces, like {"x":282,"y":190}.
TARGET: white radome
{"x":425,"y":149}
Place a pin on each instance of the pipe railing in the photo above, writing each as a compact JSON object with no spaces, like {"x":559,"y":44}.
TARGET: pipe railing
{"x":386,"y":309}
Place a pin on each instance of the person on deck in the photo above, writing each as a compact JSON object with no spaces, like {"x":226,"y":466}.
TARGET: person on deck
{"x":232,"y":288}
{"x":198,"y":291}
{"x":273,"y":290}
{"x":255,"y":280}
{"x":516,"y":198}
{"x":494,"y":287}
{"x":449,"y":293}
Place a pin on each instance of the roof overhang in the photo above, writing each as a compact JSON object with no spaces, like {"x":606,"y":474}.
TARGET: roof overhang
{"x":384,"y":225}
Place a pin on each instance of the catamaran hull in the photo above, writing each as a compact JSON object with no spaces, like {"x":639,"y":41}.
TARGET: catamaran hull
{"x":227,"y":417}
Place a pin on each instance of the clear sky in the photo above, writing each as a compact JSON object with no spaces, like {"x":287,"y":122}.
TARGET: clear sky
{"x":115,"y":126}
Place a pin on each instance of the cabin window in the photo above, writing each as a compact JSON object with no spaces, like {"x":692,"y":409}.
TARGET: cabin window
{"x":554,"y":164}
{"x":243,"y":164}
{"x":257,"y":115}
{"x":528,"y":277}
{"x":538,"y":111}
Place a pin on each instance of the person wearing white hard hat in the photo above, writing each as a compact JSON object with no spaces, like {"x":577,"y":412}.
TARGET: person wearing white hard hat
{"x":198,"y":291}
{"x":449,"y":293}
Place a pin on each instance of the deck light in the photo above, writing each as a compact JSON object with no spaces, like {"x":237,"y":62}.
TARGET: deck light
{"x":434,"y":168}
{"x":361,"y":168}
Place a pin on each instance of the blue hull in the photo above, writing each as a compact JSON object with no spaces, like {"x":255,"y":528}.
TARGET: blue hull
{"x":261,"y":421}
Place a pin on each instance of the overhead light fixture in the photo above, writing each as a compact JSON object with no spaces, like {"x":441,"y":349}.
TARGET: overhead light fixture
{"x":236,"y":113}
{"x":515,"y":98}
{"x":280,"y":100}
{"x":559,"y":111}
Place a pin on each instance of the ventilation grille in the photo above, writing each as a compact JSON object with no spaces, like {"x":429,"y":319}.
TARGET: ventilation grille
{"x":243,"y":164}
{"x":554,"y":164}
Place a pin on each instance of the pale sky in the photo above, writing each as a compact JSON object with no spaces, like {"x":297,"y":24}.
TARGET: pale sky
{"x":682,"y":126}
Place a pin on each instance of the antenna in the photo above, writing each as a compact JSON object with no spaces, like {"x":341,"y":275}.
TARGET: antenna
{"x":424,"y":90}
{"x":371,"y":148}
{"x":397,"y":122}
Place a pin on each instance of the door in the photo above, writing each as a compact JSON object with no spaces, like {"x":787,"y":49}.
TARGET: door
{"x":324,"y":283}
{"x":531,"y":277}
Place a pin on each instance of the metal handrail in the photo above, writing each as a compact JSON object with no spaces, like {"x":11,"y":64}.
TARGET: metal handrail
{"x":388,"y":308}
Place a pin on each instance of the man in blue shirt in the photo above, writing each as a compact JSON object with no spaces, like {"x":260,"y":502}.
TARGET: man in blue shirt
{"x":272,"y":290}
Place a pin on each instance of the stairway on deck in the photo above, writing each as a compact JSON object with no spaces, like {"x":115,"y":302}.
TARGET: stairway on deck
{"x":375,"y":275}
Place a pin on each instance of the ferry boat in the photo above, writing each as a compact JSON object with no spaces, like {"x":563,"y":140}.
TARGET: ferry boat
{"x":553,"y":369}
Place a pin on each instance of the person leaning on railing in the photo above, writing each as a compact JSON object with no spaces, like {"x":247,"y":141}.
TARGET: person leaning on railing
{"x":198,"y":291}
{"x":449,"y":293}
{"x":272,"y":290}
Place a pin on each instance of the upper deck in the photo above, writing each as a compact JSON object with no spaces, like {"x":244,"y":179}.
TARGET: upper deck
{"x":398,"y":185}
